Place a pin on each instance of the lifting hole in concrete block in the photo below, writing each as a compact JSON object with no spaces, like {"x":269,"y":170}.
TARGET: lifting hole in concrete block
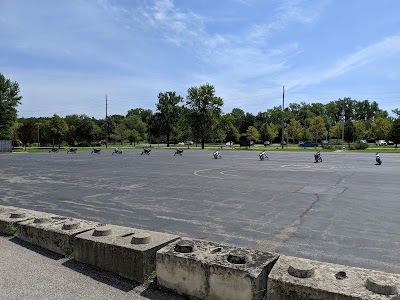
{"x":17,"y":215}
{"x":216,"y":250}
{"x":341,"y":275}
{"x":70,"y":225}
{"x":184,"y":247}
{"x":102,"y":231}
{"x":380,"y":285}
{"x":238,"y":258}
{"x":141,"y":238}
{"x":301,"y":270}
{"x":41,"y":220}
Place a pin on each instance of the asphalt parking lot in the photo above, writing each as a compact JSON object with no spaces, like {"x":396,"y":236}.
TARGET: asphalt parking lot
{"x":344,"y":210}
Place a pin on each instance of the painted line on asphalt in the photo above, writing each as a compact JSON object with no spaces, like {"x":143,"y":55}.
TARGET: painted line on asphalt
{"x":212,"y":177}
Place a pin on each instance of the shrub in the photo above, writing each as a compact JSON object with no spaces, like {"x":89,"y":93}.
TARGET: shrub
{"x":358,"y":146}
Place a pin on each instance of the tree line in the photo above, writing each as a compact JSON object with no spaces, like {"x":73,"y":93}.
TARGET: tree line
{"x":198,"y":117}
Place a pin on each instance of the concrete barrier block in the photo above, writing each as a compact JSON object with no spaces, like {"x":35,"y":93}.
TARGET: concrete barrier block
{"x":4,"y":208}
{"x":206,"y":270}
{"x":295,"y":278}
{"x":129,"y":252}
{"x":52,"y":232}
{"x":11,"y":216}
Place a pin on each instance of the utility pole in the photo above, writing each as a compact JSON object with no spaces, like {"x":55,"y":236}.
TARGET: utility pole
{"x":283,"y":116}
{"x":106,"y":124}
{"x":343,"y":125}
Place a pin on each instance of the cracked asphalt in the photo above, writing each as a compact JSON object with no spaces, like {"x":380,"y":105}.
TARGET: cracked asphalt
{"x":344,"y":210}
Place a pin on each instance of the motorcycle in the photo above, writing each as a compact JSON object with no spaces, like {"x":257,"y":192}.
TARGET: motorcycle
{"x":317,"y":157}
{"x":117,"y":151}
{"x":96,"y":151}
{"x":72,"y":150}
{"x":263,"y":155}
{"x":146,"y":151}
{"x":378,"y":159}
{"x":178,"y":152}
{"x":55,"y":150}
{"x":217,"y":155}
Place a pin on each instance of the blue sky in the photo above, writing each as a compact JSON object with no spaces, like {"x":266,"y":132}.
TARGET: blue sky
{"x":68,"y":55}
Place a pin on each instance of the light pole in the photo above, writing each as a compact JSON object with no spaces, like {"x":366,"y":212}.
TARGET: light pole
{"x":283,"y":116}
{"x":342,"y":129}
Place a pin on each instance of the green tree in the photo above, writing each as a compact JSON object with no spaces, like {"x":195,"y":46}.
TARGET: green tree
{"x":9,"y":100}
{"x":144,"y":114}
{"x":134,"y":136}
{"x":317,"y":127}
{"x":336,"y":130}
{"x":395,"y":132}
{"x":205,"y":109}
{"x":380,"y":128}
{"x":268,"y":132}
{"x":274,"y":115}
{"x":135,"y":122}
{"x":249,"y":120}
{"x":359,"y":130}
{"x":252,"y":134}
{"x":27,"y":133}
{"x":71,"y":135}
{"x":349,"y":131}
{"x":294,"y":129}
{"x":306,"y":135}
{"x":238,"y":116}
{"x":231,"y":132}
{"x":120,"y":133}
{"x":168,"y":112}
{"x":57,"y":128}
{"x":82,"y":129}
{"x":14,"y":130}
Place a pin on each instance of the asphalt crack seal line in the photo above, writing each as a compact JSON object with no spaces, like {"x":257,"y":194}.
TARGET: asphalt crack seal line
{"x":273,"y":243}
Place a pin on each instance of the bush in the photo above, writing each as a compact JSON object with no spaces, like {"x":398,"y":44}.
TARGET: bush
{"x":358,"y":146}
{"x":83,"y":144}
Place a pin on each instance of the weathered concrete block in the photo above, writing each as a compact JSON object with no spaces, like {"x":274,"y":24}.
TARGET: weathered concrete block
{"x":206,"y":270}
{"x":52,"y":232}
{"x":128,"y":252}
{"x":4,"y":208}
{"x":295,"y":278}
{"x":11,"y":216}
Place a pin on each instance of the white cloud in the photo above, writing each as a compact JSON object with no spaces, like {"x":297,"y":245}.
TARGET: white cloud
{"x":385,"y":49}
{"x":388,"y":47}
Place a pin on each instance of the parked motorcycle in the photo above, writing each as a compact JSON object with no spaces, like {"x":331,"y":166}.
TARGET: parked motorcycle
{"x":317,"y":157}
{"x":55,"y":150}
{"x":217,"y":155}
{"x":117,"y":151}
{"x":146,"y":151}
{"x":263,"y":155}
{"x":96,"y":151}
{"x":378,"y":159}
{"x":178,"y":152}
{"x":72,"y":150}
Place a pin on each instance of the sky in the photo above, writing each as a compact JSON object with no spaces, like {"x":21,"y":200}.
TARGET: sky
{"x":68,"y":56}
